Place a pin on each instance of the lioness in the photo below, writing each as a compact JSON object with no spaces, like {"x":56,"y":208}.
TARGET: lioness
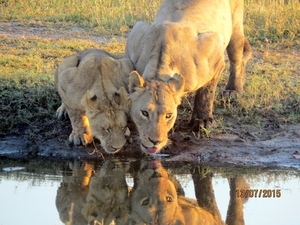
{"x":92,"y":85}
{"x":72,"y":192}
{"x":183,"y":51}
{"x":154,"y":200}
{"x":107,"y":200}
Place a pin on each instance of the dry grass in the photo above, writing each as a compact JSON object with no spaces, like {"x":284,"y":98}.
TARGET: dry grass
{"x":271,"y":20}
{"x":101,"y":16}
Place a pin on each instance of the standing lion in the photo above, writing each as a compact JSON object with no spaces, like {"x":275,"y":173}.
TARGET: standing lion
{"x":183,"y":51}
{"x":154,"y":200}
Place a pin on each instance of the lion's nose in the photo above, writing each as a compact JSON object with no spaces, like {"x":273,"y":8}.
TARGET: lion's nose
{"x":155,"y":142}
{"x":156,"y":175}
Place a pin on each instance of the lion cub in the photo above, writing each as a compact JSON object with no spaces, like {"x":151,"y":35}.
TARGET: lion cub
{"x":92,"y":85}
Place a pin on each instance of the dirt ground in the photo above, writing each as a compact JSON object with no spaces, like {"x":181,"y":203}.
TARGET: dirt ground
{"x":240,"y":145}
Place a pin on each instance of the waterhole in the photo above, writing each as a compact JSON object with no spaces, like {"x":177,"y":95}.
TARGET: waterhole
{"x":115,"y":191}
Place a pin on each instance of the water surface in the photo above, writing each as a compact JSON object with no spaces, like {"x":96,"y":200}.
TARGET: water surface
{"x":74,"y":192}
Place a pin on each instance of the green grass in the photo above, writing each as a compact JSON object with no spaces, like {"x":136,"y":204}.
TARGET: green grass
{"x":28,"y":96}
{"x":273,"y":21}
{"x":271,"y":91}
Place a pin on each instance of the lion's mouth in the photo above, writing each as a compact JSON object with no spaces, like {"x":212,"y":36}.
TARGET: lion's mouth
{"x":150,"y":150}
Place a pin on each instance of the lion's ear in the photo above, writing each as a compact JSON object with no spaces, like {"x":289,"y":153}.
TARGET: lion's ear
{"x":109,"y":63}
{"x":121,"y":97}
{"x":135,"y":81}
{"x":176,"y":83}
{"x":89,"y":100}
{"x":90,"y":96}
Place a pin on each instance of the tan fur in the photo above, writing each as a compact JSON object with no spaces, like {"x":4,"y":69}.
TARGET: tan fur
{"x":147,"y":99}
{"x":107,"y":200}
{"x":71,"y":195}
{"x":186,"y":42}
{"x":154,"y":200}
{"x":92,"y":85}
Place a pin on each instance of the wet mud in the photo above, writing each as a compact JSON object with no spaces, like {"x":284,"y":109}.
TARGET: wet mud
{"x":280,"y":147}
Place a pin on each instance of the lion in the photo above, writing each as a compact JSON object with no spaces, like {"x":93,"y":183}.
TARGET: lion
{"x":92,"y":85}
{"x":107,"y":200}
{"x":182,"y":51}
{"x":72,"y":192}
{"x":154,"y":200}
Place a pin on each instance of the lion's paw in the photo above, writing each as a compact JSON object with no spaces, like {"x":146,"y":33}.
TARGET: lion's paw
{"x":201,"y":124}
{"x":61,"y":111}
{"x":230,"y":94}
{"x":80,"y":139}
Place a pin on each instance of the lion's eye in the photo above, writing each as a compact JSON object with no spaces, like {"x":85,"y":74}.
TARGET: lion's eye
{"x":169,"y":199}
{"x":145,"y":202}
{"x":108,"y":130}
{"x":168,"y":115}
{"x":94,"y":214}
{"x":145,"y":113}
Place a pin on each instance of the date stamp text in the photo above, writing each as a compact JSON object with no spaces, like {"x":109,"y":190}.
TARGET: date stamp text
{"x":258,"y":193}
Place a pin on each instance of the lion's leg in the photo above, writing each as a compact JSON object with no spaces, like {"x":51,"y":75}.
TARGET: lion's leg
{"x":203,"y":107}
{"x":235,"y":214}
{"x":202,"y":116}
{"x":239,"y":51}
{"x":81,"y":132}
{"x":204,"y":192}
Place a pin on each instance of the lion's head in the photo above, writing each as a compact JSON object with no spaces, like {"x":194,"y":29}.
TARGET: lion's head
{"x":106,"y":202}
{"x":108,"y":119}
{"x":154,"y":109}
{"x":72,"y":192}
{"x":153,"y":198}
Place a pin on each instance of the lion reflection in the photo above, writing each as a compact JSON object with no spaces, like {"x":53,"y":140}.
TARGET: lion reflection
{"x":154,"y":200}
{"x":107,"y":200}
{"x":71,"y":195}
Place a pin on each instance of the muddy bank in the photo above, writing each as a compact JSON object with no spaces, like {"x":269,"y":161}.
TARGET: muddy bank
{"x":280,"y":147}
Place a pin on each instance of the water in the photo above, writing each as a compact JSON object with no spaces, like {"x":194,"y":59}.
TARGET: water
{"x":72,"y":192}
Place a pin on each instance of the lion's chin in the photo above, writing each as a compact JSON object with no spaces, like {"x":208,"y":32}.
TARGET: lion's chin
{"x":113,"y":151}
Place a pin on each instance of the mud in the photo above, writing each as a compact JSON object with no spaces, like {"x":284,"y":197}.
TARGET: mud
{"x":238,"y":145}
{"x":282,"y":148}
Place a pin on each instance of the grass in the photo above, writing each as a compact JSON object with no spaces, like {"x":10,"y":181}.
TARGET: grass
{"x":28,"y":98}
{"x":272,"y":20}
{"x":101,"y":16}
